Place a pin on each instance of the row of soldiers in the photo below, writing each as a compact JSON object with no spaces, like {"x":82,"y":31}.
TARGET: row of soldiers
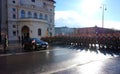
{"x":111,"y":41}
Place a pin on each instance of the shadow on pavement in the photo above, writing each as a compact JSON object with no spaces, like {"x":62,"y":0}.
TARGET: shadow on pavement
{"x":17,"y":48}
{"x":105,"y":51}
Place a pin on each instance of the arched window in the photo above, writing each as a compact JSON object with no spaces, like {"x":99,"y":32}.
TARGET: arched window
{"x":22,"y":14}
{"x":29,"y":14}
{"x":35,"y":15}
{"x":41,"y":16}
{"x":39,"y":32}
{"x":46,"y":17}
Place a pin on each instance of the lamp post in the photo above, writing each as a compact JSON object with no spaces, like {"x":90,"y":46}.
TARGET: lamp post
{"x":103,"y":9}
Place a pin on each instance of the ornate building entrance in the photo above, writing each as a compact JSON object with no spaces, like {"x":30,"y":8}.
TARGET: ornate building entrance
{"x":25,"y":31}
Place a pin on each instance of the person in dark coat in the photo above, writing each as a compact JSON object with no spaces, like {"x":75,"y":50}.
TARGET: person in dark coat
{"x":19,"y":39}
{"x":5,"y":42}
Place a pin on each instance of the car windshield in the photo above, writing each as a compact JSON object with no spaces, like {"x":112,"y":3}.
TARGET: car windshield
{"x":37,"y":40}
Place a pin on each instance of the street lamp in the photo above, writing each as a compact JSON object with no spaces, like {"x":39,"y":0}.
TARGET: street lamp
{"x":103,"y":9}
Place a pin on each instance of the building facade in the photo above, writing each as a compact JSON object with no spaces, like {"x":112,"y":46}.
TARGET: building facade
{"x":64,"y":31}
{"x":96,"y":31}
{"x":87,"y":31}
{"x":31,"y":18}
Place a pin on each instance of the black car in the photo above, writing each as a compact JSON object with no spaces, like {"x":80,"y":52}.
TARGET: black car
{"x":34,"y":43}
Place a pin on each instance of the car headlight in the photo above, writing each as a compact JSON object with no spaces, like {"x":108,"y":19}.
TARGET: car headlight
{"x":46,"y":43}
{"x":37,"y":44}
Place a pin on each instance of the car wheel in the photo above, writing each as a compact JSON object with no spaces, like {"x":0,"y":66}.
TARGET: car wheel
{"x":45,"y":47}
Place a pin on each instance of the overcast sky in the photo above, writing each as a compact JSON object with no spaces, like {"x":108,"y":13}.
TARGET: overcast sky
{"x":87,"y":13}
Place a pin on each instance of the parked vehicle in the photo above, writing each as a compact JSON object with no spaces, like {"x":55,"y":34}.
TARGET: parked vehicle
{"x":34,"y":44}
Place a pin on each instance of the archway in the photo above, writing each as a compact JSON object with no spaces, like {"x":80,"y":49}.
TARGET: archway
{"x":25,"y":32}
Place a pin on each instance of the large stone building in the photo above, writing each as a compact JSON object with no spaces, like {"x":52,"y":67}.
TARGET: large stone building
{"x":20,"y":18}
{"x":64,"y":31}
{"x":87,"y":31}
{"x":93,"y":31}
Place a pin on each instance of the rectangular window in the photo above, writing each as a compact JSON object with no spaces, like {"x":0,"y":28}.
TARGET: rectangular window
{"x":33,"y":0}
{"x":14,"y":33}
{"x":14,"y":26}
{"x":13,"y":9}
{"x":14,"y":16}
{"x":39,"y":32}
{"x":50,"y":9}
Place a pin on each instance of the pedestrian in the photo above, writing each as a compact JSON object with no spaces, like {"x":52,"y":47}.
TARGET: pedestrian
{"x":19,"y":39}
{"x":22,"y":40}
{"x":5,"y":43}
